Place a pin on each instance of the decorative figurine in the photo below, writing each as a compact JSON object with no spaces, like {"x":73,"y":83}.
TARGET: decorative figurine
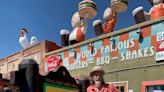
{"x":138,"y":14}
{"x":157,"y":10}
{"x":23,"y":41}
{"x":64,"y":33}
{"x":34,"y":40}
{"x":97,"y":25}
{"x":110,"y":19}
{"x":87,"y":9}
{"x":119,"y":5}
{"x":79,"y":29}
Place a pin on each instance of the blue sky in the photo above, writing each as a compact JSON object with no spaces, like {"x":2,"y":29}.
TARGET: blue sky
{"x":45,"y":19}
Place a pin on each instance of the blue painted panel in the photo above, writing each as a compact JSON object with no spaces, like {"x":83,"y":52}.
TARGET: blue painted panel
{"x":98,"y":44}
{"x":83,"y":48}
{"x":117,"y":39}
{"x":123,"y":50}
{"x":159,"y":27}
{"x":65,"y":61}
{"x":71,"y":52}
{"x":146,"y":43}
{"x":133,"y":34}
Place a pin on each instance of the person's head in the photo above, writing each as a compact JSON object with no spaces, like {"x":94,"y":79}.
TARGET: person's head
{"x":97,"y":74}
{"x":78,"y":21}
{"x":108,"y":14}
{"x":156,"y":2}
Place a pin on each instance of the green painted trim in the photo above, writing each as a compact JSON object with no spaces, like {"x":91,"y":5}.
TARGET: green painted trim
{"x":57,"y":86}
{"x":89,"y":5}
{"x":121,"y":31}
{"x":122,"y":1}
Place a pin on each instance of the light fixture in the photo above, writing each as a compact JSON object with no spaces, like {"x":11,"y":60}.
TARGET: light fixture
{"x":60,"y":56}
{"x":140,"y":35}
{"x":91,"y":44}
{"x":113,"y":42}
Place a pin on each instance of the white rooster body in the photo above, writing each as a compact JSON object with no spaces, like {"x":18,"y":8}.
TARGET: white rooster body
{"x":23,"y":41}
{"x":34,"y":40}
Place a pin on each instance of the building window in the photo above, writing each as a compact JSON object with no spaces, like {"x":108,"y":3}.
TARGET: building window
{"x":156,"y":88}
{"x":152,"y":86}
{"x":122,"y":86}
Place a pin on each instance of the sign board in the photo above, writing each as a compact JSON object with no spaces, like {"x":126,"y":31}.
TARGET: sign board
{"x":125,"y":48}
{"x":160,"y":46}
{"x":53,"y":62}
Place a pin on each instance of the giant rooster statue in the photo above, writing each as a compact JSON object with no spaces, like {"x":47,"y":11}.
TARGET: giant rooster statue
{"x":23,"y":41}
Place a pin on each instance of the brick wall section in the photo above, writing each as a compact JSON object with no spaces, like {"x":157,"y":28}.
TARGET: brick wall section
{"x":37,"y":52}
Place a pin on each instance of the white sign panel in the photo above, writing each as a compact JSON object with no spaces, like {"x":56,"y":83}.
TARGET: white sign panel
{"x":157,"y":91}
{"x":130,"y":90}
{"x":160,"y":46}
{"x":160,"y":56}
{"x":160,"y":36}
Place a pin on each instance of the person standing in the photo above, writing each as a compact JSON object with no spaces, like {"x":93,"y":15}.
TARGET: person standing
{"x":97,"y":81}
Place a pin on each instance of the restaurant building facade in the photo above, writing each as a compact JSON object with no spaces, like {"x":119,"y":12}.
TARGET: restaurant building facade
{"x":131,"y":57}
